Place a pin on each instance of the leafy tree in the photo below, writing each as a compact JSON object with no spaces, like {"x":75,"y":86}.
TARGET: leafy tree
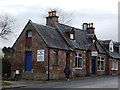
{"x":6,"y":61}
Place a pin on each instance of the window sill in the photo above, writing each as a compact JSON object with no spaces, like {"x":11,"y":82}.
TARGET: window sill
{"x":55,"y":64}
{"x":78,"y":68}
{"x":101,"y":70}
{"x":114,"y":69}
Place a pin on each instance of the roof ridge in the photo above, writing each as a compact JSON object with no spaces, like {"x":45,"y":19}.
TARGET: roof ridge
{"x":71,"y":27}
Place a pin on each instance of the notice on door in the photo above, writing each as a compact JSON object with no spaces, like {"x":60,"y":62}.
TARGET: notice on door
{"x":40,"y":55}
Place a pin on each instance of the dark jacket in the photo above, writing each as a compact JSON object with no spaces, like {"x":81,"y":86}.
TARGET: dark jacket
{"x":67,"y":70}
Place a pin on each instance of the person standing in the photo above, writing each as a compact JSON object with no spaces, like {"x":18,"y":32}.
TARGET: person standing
{"x":67,"y":72}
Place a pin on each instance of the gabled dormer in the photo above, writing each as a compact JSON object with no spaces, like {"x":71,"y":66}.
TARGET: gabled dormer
{"x":111,"y":46}
{"x":72,"y":34}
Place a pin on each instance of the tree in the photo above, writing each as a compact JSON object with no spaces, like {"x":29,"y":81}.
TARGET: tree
{"x":6,"y":25}
{"x":6,"y":61}
{"x":64,"y":17}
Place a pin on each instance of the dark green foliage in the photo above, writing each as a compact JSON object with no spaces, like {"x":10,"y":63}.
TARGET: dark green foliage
{"x":6,"y":68}
{"x":6,"y":62}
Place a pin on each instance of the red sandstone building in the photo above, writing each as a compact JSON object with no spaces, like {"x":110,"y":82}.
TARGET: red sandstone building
{"x":42,"y":52}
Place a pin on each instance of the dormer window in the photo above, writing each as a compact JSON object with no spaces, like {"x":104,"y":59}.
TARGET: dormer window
{"x":111,"y":46}
{"x":72,"y":34}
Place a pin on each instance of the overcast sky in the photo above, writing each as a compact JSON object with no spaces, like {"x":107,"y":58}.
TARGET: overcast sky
{"x":103,"y":13}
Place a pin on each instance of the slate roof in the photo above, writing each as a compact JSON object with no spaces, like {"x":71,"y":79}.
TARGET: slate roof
{"x":105,"y":41}
{"x":114,"y":54}
{"x":100,"y":47}
{"x":51,"y":37}
{"x":56,"y":37}
{"x":81,"y":39}
{"x":116,"y":44}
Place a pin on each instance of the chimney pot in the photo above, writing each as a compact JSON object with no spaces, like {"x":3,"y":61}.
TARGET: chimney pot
{"x":91,"y":24}
{"x":54,"y":13}
{"x":50,"y":14}
{"x":84,"y":26}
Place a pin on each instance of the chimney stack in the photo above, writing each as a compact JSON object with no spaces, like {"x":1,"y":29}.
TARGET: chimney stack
{"x":52,"y":18}
{"x":91,"y":29}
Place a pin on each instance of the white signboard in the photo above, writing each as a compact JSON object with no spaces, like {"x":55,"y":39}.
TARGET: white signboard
{"x":94,"y":53}
{"x":40,"y":55}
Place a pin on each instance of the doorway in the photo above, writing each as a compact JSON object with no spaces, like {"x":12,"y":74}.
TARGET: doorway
{"x":93,"y":65}
{"x":28,"y":61}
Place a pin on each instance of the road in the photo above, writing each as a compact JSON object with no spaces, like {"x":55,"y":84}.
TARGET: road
{"x":87,"y":82}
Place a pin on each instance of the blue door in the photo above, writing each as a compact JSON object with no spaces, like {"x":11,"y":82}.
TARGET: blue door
{"x":93,"y":65}
{"x":28,"y":61}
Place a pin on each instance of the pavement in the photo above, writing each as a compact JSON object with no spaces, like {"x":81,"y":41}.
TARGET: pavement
{"x":14,"y":84}
{"x":21,"y":83}
{"x":24,"y":83}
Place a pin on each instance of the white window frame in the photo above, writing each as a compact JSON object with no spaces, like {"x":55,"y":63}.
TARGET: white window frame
{"x":99,"y":69}
{"x":111,"y":49}
{"x":114,"y":65}
{"x":77,"y":57}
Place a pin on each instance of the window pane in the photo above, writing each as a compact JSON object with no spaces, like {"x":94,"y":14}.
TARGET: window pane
{"x":55,"y":57}
{"x":98,"y":65}
{"x":112,"y":65}
{"x":71,"y":36}
{"x":29,"y":34}
{"x":75,"y":54}
{"x":80,"y":55}
{"x":116,"y":65}
{"x":75,"y":61}
{"x":79,"y":62}
{"x":102,"y":58}
{"x":102,"y":65}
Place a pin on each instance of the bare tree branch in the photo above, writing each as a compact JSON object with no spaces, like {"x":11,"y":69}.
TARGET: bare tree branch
{"x":6,"y":25}
{"x":64,"y":17}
